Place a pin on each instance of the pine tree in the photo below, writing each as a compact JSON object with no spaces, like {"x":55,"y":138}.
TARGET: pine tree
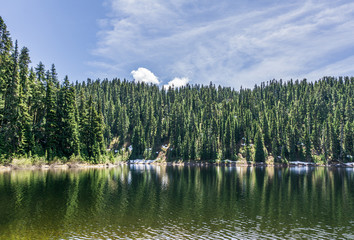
{"x":325,"y":141}
{"x":307,"y":147}
{"x":98,"y":127}
{"x":275,"y":149}
{"x":259,"y":152}
{"x":54,"y":76}
{"x":68,"y":137}
{"x":334,"y":141}
{"x":295,"y":119}
{"x":51,"y":128}
{"x":37,"y":108}
{"x":25,"y":119}
{"x":265,"y":128}
{"x":11,"y":122}
{"x":92,"y":132}
{"x":5,"y":64}
{"x":348,"y":139}
{"x":138,"y":142}
{"x":40,"y":72}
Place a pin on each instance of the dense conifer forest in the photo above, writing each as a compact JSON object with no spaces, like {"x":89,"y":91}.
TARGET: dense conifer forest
{"x":99,"y":120}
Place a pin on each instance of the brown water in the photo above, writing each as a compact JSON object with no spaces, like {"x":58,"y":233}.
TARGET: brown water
{"x":178,"y":202}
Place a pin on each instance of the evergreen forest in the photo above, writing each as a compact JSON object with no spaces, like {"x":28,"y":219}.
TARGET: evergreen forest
{"x":102,"y":120}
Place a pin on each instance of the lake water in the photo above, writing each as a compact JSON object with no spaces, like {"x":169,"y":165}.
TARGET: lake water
{"x":178,"y":202}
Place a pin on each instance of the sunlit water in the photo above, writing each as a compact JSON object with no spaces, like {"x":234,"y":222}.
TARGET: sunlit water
{"x":178,"y":202}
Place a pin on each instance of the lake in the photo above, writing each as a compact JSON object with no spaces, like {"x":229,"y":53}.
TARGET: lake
{"x":143,"y":201}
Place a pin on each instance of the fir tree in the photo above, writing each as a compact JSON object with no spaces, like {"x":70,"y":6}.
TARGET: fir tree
{"x":296,"y":119}
{"x":25,"y":119}
{"x":11,"y":130}
{"x":67,"y":125}
{"x":259,"y":152}
{"x":348,"y":139}
{"x":51,"y":128}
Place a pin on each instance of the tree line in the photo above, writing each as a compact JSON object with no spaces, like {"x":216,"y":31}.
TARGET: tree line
{"x":280,"y":120}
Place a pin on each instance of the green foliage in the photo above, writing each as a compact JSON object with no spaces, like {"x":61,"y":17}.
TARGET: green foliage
{"x":259,"y":155}
{"x":92,"y":132}
{"x":293,"y":120}
{"x":68,"y":136}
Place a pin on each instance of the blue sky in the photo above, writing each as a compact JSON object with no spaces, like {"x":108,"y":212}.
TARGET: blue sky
{"x":228,"y":42}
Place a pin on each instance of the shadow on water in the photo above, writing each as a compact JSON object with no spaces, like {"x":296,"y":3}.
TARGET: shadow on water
{"x":178,"y":202}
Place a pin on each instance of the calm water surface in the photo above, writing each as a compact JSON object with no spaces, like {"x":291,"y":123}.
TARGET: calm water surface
{"x":178,"y":202}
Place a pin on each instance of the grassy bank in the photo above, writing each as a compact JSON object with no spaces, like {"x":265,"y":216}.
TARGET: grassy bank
{"x":37,"y":162}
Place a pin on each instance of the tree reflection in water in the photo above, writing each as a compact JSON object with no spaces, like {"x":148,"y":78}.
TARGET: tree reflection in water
{"x":159,"y":201}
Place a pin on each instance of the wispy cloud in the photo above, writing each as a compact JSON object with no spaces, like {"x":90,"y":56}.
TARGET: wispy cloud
{"x":229,"y":42}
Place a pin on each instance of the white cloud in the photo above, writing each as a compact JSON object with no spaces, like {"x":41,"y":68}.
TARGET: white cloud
{"x":144,"y":75}
{"x":231,"y":43}
{"x":177,"y":82}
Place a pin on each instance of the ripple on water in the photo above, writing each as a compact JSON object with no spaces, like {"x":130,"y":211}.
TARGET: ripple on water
{"x":215,"y":229}
{"x":179,"y":203}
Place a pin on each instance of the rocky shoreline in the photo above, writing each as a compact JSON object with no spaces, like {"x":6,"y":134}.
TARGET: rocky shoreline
{"x":64,"y":166}
{"x":10,"y":167}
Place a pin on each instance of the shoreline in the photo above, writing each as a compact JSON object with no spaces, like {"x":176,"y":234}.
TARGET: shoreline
{"x":67,"y":166}
{"x":54,"y":166}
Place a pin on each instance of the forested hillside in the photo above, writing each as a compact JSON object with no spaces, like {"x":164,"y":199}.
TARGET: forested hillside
{"x":45,"y":116}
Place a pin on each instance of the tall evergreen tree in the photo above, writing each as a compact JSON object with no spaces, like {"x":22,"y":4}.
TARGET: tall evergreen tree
{"x":349,"y":140}
{"x":92,"y":132}
{"x":259,"y":148}
{"x":11,"y":129}
{"x":5,"y":63}
{"x":25,"y":118}
{"x":68,"y":137}
{"x":297,"y":120}
{"x":51,"y":125}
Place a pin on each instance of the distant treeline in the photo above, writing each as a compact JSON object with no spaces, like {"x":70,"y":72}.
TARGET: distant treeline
{"x":294,"y":120}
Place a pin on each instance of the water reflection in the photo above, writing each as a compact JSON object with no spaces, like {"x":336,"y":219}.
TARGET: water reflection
{"x":151,"y":201}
